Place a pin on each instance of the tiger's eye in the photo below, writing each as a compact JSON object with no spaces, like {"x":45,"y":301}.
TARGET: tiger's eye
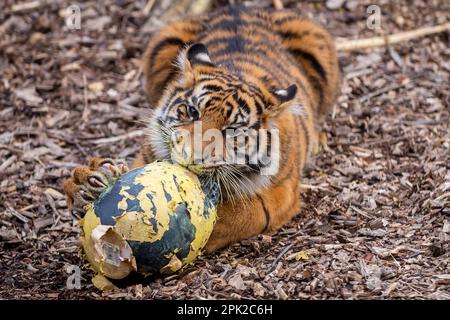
{"x":193,"y":113}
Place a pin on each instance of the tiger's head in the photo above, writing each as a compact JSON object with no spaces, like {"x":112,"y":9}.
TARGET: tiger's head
{"x":219,"y":124}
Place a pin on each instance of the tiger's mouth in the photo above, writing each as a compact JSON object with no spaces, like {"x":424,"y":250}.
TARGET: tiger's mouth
{"x":237,"y":181}
{"x":201,"y":169}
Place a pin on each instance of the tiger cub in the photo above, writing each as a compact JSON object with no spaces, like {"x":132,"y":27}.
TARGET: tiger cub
{"x":240,"y":69}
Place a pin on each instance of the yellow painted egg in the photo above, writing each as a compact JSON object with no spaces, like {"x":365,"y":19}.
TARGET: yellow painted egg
{"x":154,"y":219}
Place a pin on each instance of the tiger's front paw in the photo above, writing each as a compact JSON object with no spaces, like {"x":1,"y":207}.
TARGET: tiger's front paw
{"x":87,"y":182}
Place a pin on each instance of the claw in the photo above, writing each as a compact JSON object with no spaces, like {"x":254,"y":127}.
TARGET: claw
{"x":123,"y":168}
{"x":86,"y":196}
{"x":80,"y":201}
{"x":78,"y":210}
{"x":96,"y":182}
{"x":114,"y":170}
{"x":107,"y":165}
{"x":102,"y":174}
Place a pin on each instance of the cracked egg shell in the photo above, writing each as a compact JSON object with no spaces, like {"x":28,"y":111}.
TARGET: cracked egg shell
{"x":153,"y":219}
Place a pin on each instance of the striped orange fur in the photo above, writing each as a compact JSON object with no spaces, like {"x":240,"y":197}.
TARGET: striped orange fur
{"x":253,"y":52}
{"x":246,"y":68}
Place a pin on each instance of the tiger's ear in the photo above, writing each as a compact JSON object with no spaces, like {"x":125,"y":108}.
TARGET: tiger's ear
{"x":190,"y":58}
{"x":283,"y":100}
{"x":197,"y":54}
{"x":285,"y":95}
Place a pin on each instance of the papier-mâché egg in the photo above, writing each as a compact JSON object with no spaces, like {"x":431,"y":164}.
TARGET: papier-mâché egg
{"x":153,"y":219}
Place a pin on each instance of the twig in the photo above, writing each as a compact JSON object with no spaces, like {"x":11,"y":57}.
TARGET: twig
{"x":282,"y":253}
{"x":129,"y":135}
{"x":411,"y":287}
{"x":16,"y":214}
{"x":148,"y":7}
{"x":350,"y":45}
{"x":199,"y":6}
{"x":278,"y":4}
{"x":396,"y":57}
{"x":381,"y":91}
{"x":27,"y":6}
{"x":364,"y":214}
{"x":312,"y":187}
{"x":358,"y":73}
{"x":220,"y":294}
{"x":7,"y":163}
{"x":85,"y":114}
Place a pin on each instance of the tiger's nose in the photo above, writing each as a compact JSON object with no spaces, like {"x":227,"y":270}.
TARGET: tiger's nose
{"x":193,"y":113}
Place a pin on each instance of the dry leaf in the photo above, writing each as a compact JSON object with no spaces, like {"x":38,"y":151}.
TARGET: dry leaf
{"x":96,"y":87}
{"x":102,"y":283}
{"x":236,"y":282}
{"x":29,"y":95}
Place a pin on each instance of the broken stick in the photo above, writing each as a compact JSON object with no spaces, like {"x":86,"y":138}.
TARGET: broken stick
{"x":349,"y":45}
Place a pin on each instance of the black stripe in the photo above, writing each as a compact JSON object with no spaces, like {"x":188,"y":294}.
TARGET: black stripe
{"x":235,"y":10}
{"x":237,"y":43}
{"x":215,"y":88}
{"x":259,"y":105}
{"x":283,"y":78}
{"x":289,"y":34}
{"x":242,"y":103}
{"x":230,"y":109}
{"x":282,"y":73}
{"x":189,"y":93}
{"x":171,"y":41}
{"x":147,"y":155}
{"x":177,"y":101}
{"x":227,"y":24}
{"x":161,"y":68}
{"x":264,"y":53}
{"x":243,"y":37}
{"x":175,"y":91}
{"x":314,"y":62}
{"x":288,"y":19}
{"x":266,"y":212}
{"x":319,"y":88}
{"x":256,"y":126}
{"x":307,"y":137}
{"x":211,"y":101}
{"x":217,"y":76}
{"x":239,"y":25}
{"x":163,"y":83}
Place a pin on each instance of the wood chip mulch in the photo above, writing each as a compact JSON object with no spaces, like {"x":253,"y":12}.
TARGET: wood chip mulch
{"x":376,"y":217}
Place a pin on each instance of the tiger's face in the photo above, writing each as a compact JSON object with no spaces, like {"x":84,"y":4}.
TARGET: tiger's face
{"x":219,"y":125}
